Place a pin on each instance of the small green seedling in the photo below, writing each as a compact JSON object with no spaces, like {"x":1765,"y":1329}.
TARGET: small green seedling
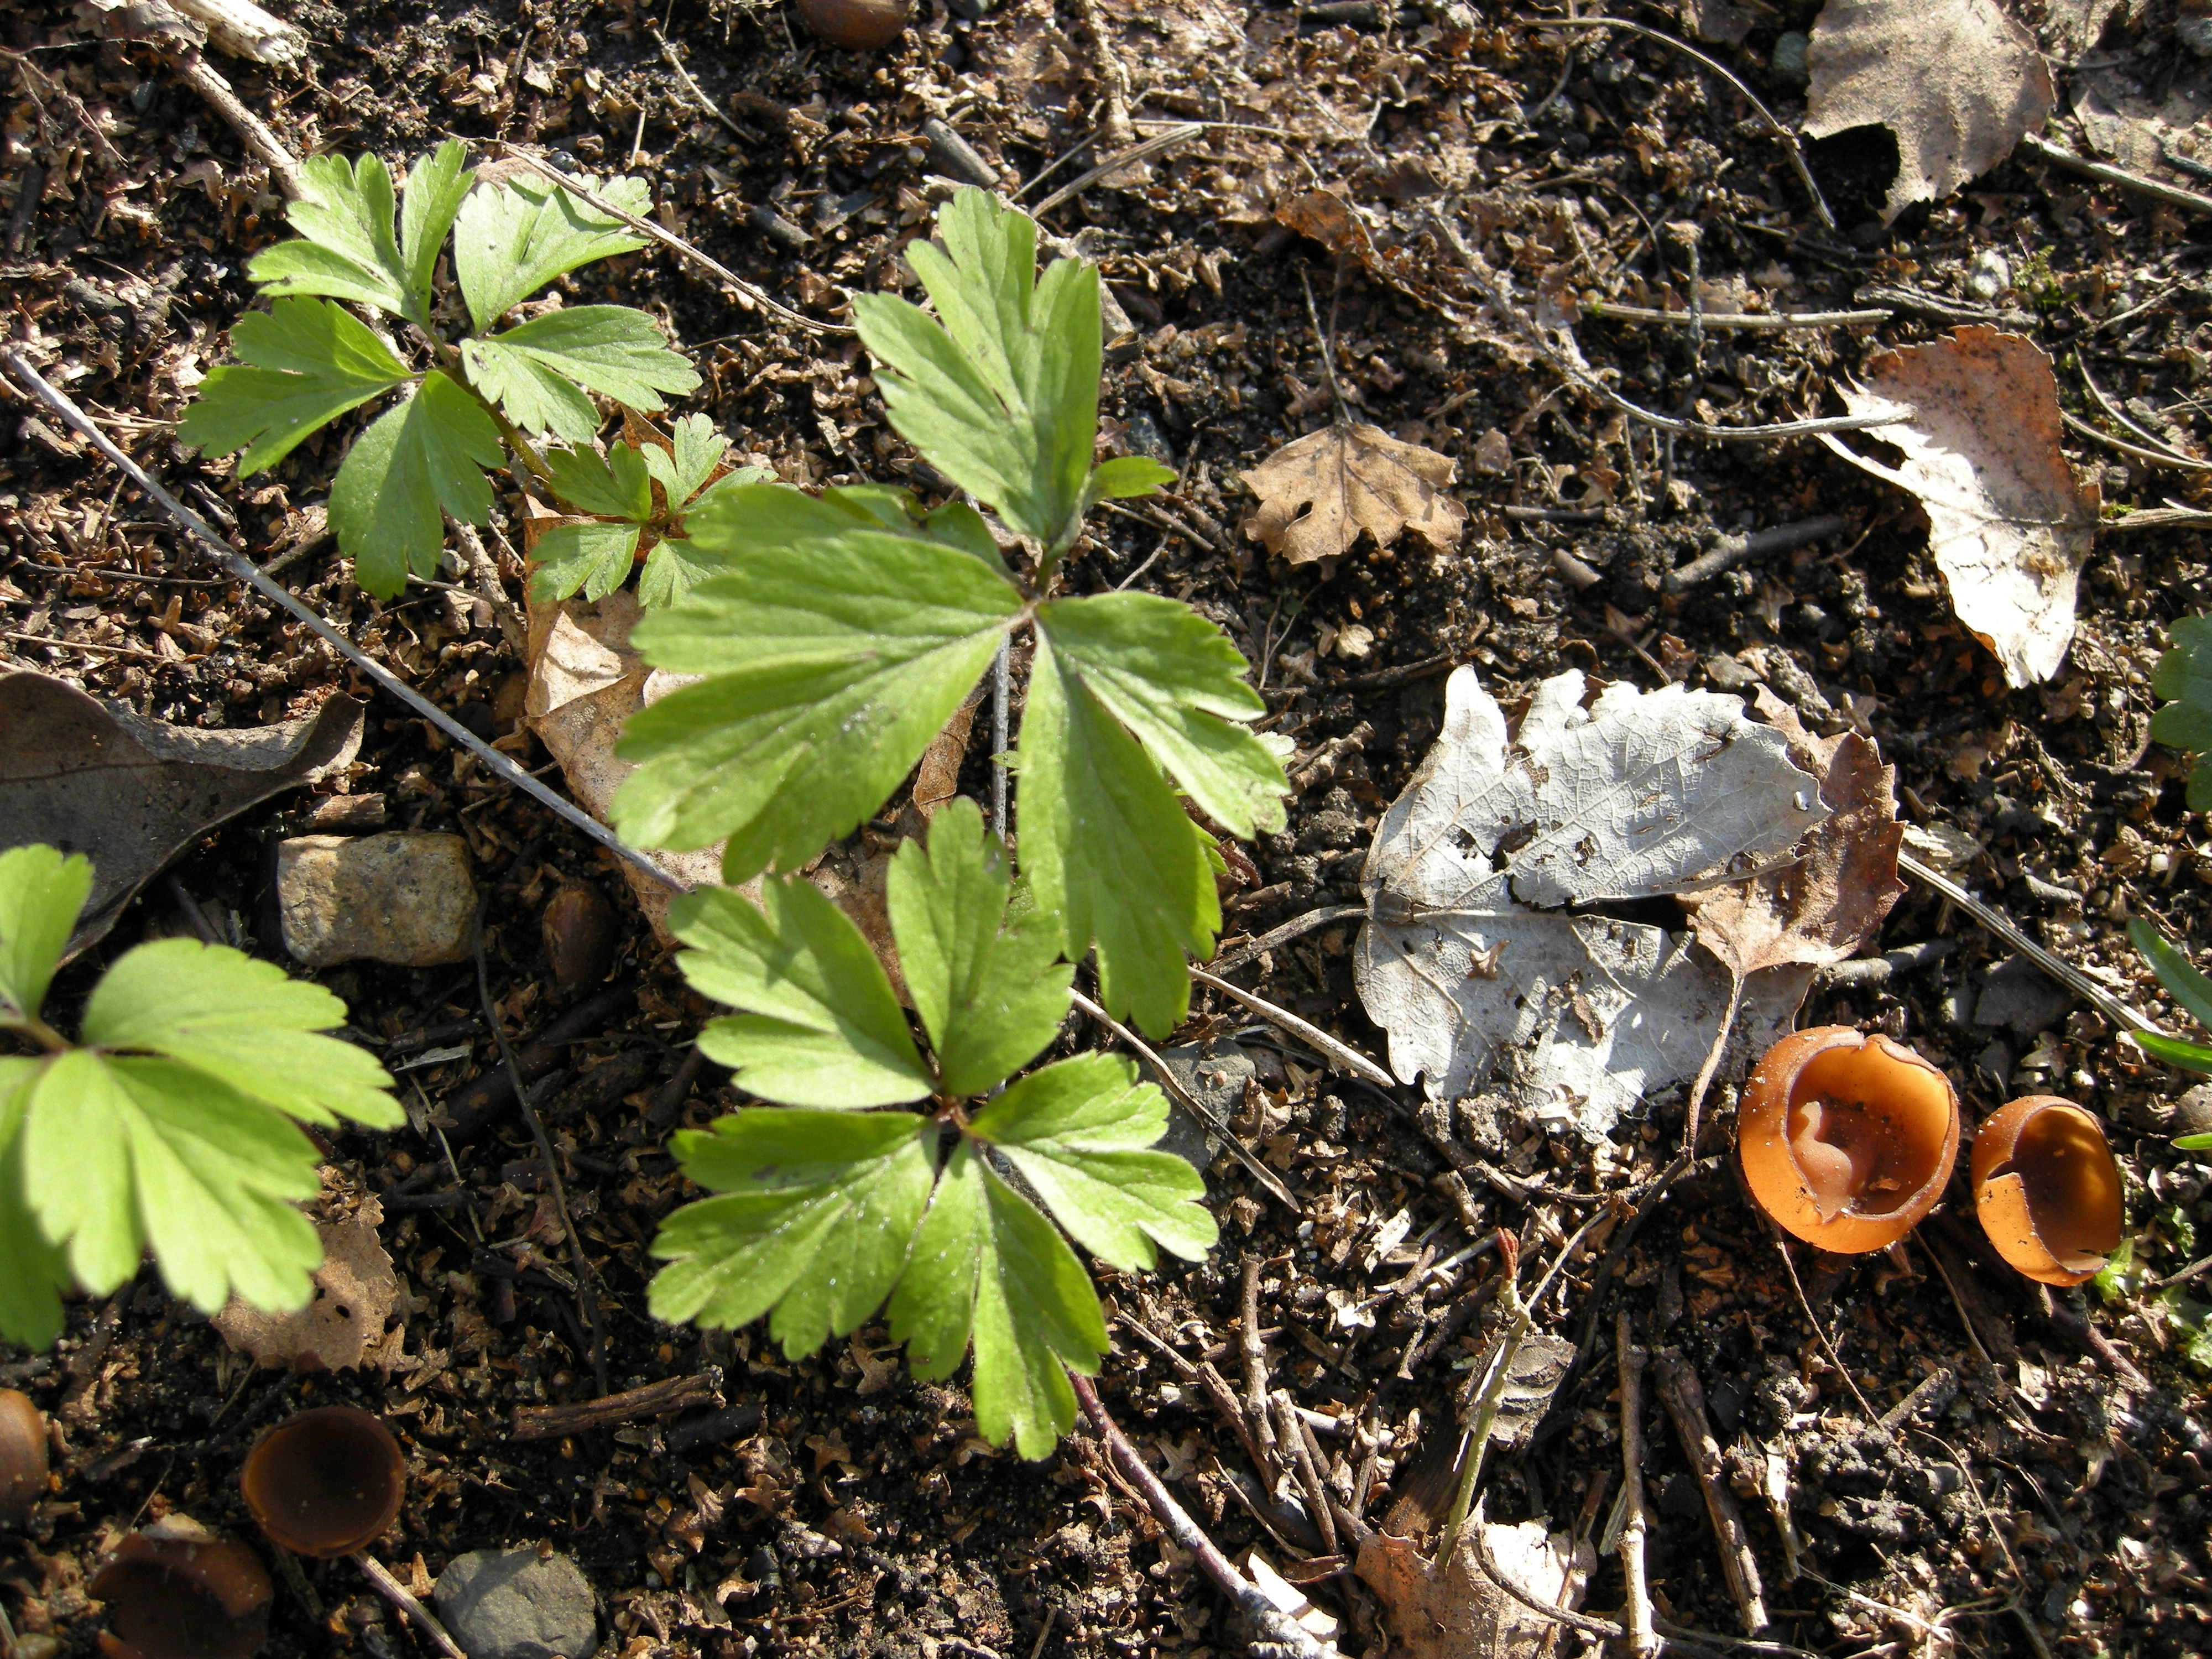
{"x":826,"y":1205}
{"x":469,"y":399}
{"x":2191,"y":991}
{"x":2184,"y":678}
{"x":167,"y":1123}
{"x":849,"y":628}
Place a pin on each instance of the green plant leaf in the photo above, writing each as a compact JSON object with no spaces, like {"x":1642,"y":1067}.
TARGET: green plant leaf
{"x":2193,"y":1143}
{"x":829,"y":664}
{"x":245,"y":1022}
{"x":436,"y":185}
{"x":617,"y":486}
{"x":2184,"y":677}
{"x":739,"y":518}
{"x":347,"y":250}
{"x":540,"y":371}
{"x":1079,"y":1131}
{"x":40,"y":894}
{"x":1124,"y":476}
{"x":986,"y":1266}
{"x":987,"y":989}
{"x":123,"y":1152}
{"x":1002,"y":395}
{"x":2189,"y":1056}
{"x":2182,"y":982}
{"x":1175,"y":681}
{"x":816,"y":1212}
{"x":824,"y":1027}
{"x":1106,"y":845}
{"x":514,"y":238}
{"x":696,"y":448}
{"x":33,"y":1272}
{"x":430,"y":452}
{"x":307,"y":362}
{"x":595,"y":554}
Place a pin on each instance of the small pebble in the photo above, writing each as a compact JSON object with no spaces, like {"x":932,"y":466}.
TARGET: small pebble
{"x":515,"y":1604}
{"x":1787,"y":63}
{"x":404,"y":897}
{"x":1989,"y":275}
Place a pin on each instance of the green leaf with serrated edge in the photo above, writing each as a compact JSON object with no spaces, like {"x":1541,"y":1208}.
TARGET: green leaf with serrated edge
{"x":1110,"y":850}
{"x":40,"y":894}
{"x":1124,"y":477}
{"x":245,"y":1022}
{"x":2184,"y":678}
{"x":2182,"y":982}
{"x":514,"y":238}
{"x":594,"y":555}
{"x":829,"y":666}
{"x":431,"y":451}
{"x":821,"y":1026}
{"x":33,"y":1272}
{"x":308,"y":361}
{"x":1079,"y":1131}
{"x":343,"y":213}
{"x":2189,"y":1056}
{"x":1175,"y":681}
{"x":112,"y":1146}
{"x":816,"y":1212}
{"x":534,"y":369}
{"x":436,"y":185}
{"x":986,"y":1264}
{"x":989,"y":994}
{"x":696,"y":449}
{"x":617,"y":486}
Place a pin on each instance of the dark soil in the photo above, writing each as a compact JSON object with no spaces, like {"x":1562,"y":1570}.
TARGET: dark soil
{"x":2044,"y":1491}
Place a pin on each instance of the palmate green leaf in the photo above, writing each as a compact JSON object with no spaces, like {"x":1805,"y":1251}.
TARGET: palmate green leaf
{"x":1002,"y":394}
{"x":616,"y":485}
{"x":813,"y":1220}
{"x":986,"y":1266}
{"x":829,"y":666}
{"x":1106,"y":845}
{"x":1175,"y":681}
{"x":1079,"y":1131}
{"x":307,"y":362}
{"x":2182,"y":982}
{"x":33,"y":1272}
{"x":247,"y":1024}
{"x":40,"y":894}
{"x":824,"y":1027}
{"x":348,"y":250}
{"x":431,"y":451}
{"x":737,"y":520}
{"x":987,"y":989}
{"x":513,"y":238}
{"x":593,"y":554}
{"x":696,"y":448}
{"x":540,"y":371}
{"x":120,"y":1153}
{"x":2184,"y":677}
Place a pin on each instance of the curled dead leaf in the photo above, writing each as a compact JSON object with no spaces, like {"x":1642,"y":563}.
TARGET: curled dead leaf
{"x":1453,"y":1611}
{"x":1318,"y":492}
{"x":354,"y":1288}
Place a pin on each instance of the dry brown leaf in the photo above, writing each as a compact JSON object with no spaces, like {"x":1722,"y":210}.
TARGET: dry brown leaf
{"x":354,"y":1288}
{"x":2144,"y":119}
{"x":1454,"y":1610}
{"x":2007,"y":521}
{"x":937,"y":779}
{"x":1318,"y":492}
{"x":1825,"y":903}
{"x":1957,"y":81}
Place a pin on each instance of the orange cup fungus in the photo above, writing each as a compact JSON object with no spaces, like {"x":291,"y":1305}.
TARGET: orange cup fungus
{"x":1847,"y":1139}
{"x":2047,"y":1190}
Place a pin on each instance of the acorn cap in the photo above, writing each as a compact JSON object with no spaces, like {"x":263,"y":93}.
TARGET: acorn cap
{"x":174,"y":1592}
{"x":324,"y":1483}
{"x":1847,"y":1139}
{"x":2047,"y":1190}
{"x":23,"y":1457}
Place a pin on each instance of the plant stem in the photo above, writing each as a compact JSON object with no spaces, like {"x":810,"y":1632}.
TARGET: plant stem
{"x":38,"y":1031}
{"x":1519,"y":1325}
{"x":449,"y":361}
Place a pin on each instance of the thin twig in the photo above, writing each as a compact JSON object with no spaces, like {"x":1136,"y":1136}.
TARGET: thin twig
{"x":1641,"y":1637}
{"x":1608,"y":312}
{"x":2120,"y":415}
{"x":1288,"y":1428}
{"x":2059,"y":156}
{"x":1296,"y":928}
{"x":698,"y":94}
{"x":403,"y":1599}
{"x":1143,"y":150}
{"x":1259,"y":1427}
{"x":1345,"y":1056}
{"x":1685,"y":1398}
{"x":253,"y":132}
{"x":2157,"y":458}
{"x":243,"y":570}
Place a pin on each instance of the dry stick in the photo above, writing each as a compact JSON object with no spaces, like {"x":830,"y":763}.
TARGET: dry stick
{"x":253,"y":132}
{"x":244,"y":570}
{"x":698,"y":95}
{"x":1581,"y":1621}
{"x":2157,"y":518}
{"x":1782,"y":134}
{"x":2059,"y":156}
{"x":1287,"y":1428}
{"x":672,"y":1393}
{"x":2178,"y":462}
{"x":1685,"y":1398}
{"x":1144,"y":150}
{"x":2175,"y":457}
{"x":1730,"y":552}
{"x":1197,"y":1108}
{"x":1268,"y":1621}
{"x":666,"y":239}
{"x":403,"y":1599}
{"x":1346,"y":1057}
{"x":1255,"y":1361}
{"x":1609,"y":312}
{"x":1875,"y":1418}
{"x":1641,"y":1637}
{"x":1296,"y":928}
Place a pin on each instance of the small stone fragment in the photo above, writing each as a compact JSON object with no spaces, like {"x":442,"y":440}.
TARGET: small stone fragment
{"x":1787,"y":63}
{"x":344,"y":815}
{"x":1988,"y":275}
{"x":2018,"y":996}
{"x":515,"y":1604}
{"x":403,"y":898}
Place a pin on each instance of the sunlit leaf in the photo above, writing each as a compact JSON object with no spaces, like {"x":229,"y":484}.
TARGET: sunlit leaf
{"x":308,"y":361}
{"x":40,"y":894}
{"x":431,"y":451}
{"x":512,"y":238}
{"x":540,"y":371}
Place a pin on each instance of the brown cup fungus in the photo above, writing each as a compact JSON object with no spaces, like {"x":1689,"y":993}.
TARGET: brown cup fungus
{"x":856,"y":25}
{"x":324,"y":1483}
{"x":23,"y":1457}
{"x":1847,"y":1139}
{"x":2046,"y":1189}
{"x":174,"y":1591}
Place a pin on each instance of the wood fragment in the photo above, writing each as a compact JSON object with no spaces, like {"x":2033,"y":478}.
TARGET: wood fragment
{"x":2105,"y":173}
{"x":196,"y":72}
{"x":1642,"y":1639}
{"x":1685,"y":1398}
{"x":674,"y":1394}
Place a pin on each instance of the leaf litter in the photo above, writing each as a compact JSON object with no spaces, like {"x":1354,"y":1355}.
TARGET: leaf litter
{"x":1318,"y":492}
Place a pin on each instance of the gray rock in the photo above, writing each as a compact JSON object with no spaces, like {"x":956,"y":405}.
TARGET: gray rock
{"x":2017,"y":995}
{"x":1217,"y":1081}
{"x":402,"y":897}
{"x":1989,"y":275}
{"x":2192,"y":1112}
{"x":515,"y":1604}
{"x":1787,"y":63}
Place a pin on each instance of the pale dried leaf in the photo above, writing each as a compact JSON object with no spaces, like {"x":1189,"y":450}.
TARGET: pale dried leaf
{"x":1533,"y":1376}
{"x":937,"y":778}
{"x":1453,"y":1611}
{"x":1957,"y":81}
{"x":2143,"y":119}
{"x":354,"y":1288}
{"x":1824,"y":904}
{"x":1483,"y":982}
{"x":1318,"y":492}
{"x":2007,"y":521}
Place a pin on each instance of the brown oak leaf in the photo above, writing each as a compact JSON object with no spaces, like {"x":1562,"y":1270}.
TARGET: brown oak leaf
{"x":1318,"y":492}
